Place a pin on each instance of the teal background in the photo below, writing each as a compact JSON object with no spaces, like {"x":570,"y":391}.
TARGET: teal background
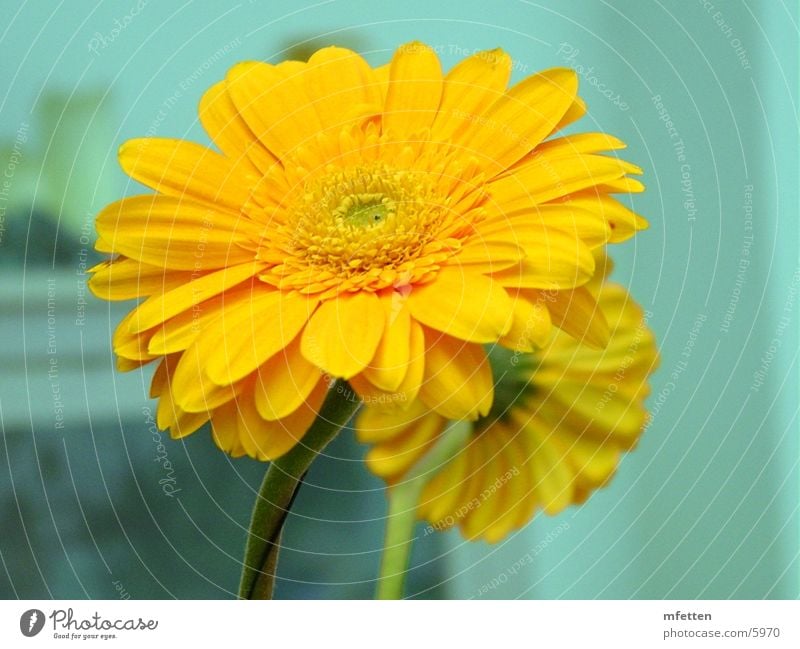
{"x":706,"y":507}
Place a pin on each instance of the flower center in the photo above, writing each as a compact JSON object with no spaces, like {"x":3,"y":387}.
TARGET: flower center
{"x":362,"y":210}
{"x":369,"y":226}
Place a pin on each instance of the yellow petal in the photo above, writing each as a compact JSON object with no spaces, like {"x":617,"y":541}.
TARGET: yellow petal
{"x":470,"y":307}
{"x":225,"y":432}
{"x":592,"y":461}
{"x":556,"y":261}
{"x":227,"y":128}
{"x":193,"y":391}
{"x":390,"y":363}
{"x":392,"y":459}
{"x":618,"y":418}
{"x":162,"y":375}
{"x":382,"y":77}
{"x":482,"y":255}
{"x":255,"y":330}
{"x":341,"y":85}
{"x":589,"y":227}
{"x":469,"y":89}
{"x":530,"y":327}
{"x":623,"y":222}
{"x":406,"y":393}
{"x":549,"y":176}
{"x":412,"y":382}
{"x":126,"y":365}
{"x":576,"y":110}
{"x":180,"y":331}
{"x":517,"y":492}
{"x":582,"y":143}
{"x":284,"y":382}
{"x":179,"y":422}
{"x":446,"y":490}
{"x":275,"y":105}
{"x":269,"y":440}
{"x":458,"y":380}
{"x":177,"y":233}
{"x":343,"y":335}
{"x":101,"y":245}
{"x":250,"y":428}
{"x":522,"y":118}
{"x":553,"y":478}
{"x":415,"y":89}
{"x":186,"y":170}
{"x":528,"y":225}
{"x":479,"y":460}
{"x":126,"y":279}
{"x":577,"y":313}
{"x":130,"y":345}
{"x":377,"y":425}
{"x":487,"y":506}
{"x":623,"y":185}
{"x":186,"y":297}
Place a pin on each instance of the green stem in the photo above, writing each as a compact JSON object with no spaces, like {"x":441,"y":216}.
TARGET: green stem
{"x":402,"y":515}
{"x":400,"y":520}
{"x":279,"y":488}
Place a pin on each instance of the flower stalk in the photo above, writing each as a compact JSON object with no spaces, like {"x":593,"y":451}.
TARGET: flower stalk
{"x":279,"y":489}
{"x":402,"y":515}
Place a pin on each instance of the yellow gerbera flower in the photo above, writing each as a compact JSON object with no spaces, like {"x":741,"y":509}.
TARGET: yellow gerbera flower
{"x":560,"y":422}
{"x":375,"y":225}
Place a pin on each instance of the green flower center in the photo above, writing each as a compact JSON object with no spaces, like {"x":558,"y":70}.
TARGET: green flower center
{"x":512,"y":372}
{"x":365,"y":210}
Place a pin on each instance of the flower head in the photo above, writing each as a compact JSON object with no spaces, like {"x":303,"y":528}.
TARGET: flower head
{"x":560,"y":422}
{"x":371,"y":224}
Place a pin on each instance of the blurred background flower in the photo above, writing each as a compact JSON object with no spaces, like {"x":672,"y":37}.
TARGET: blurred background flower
{"x":561,"y":419}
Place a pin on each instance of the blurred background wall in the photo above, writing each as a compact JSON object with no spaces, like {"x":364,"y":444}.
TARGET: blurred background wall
{"x":95,"y":502}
